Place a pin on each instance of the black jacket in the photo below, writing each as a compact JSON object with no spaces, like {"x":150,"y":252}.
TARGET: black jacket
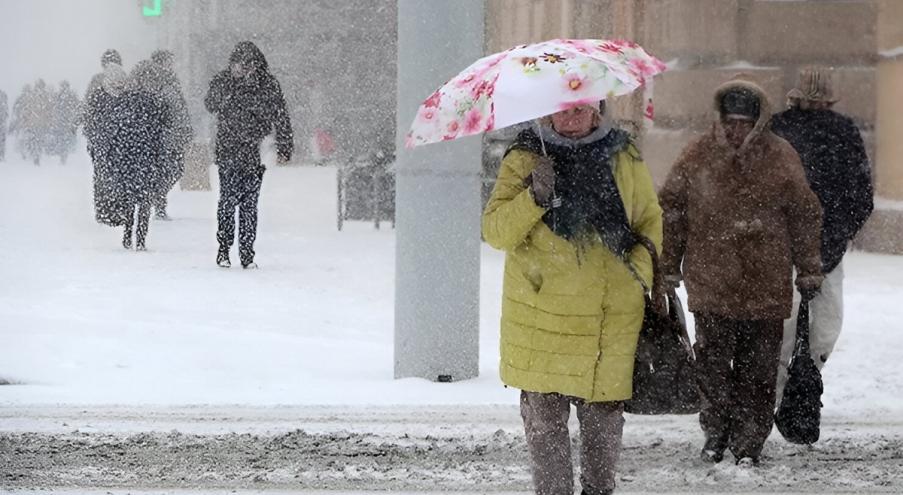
{"x":135,"y":129}
{"x":248,"y":109}
{"x":838,"y":170}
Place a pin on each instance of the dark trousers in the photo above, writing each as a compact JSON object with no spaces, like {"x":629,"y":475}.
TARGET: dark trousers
{"x":737,"y":368}
{"x":546,"y":425}
{"x":143,"y":224}
{"x":239,"y":188}
{"x":175,"y":167}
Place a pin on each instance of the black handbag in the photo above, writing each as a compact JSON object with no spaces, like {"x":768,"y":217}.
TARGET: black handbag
{"x":798,"y":418}
{"x":664,"y":372}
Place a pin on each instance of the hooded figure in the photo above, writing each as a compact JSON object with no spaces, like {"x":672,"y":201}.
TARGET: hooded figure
{"x":64,"y":124}
{"x":133,"y":132}
{"x":837,"y":168}
{"x":569,"y":198}
{"x":159,"y":77}
{"x":96,"y":100}
{"x":739,"y":216}
{"x":249,"y":105}
{"x":17,"y":124}
{"x":33,"y":124}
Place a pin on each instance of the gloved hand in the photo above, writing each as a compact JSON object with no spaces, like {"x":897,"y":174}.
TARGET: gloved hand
{"x":672,"y":281}
{"x":809,"y":285}
{"x":543,"y":186}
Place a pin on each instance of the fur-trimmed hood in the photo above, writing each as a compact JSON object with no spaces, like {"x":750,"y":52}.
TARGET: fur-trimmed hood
{"x":742,"y":81}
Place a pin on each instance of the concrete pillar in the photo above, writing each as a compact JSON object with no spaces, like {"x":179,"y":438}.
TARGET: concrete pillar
{"x":437,"y":259}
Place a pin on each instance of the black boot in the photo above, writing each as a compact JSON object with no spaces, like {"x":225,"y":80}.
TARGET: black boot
{"x":247,"y":258}
{"x":127,"y":237}
{"x":222,"y":258}
{"x":713,"y":450}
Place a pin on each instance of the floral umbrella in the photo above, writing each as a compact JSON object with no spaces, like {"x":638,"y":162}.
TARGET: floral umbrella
{"x":531,"y":81}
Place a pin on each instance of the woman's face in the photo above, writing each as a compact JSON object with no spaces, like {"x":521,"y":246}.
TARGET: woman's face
{"x":576,"y":122}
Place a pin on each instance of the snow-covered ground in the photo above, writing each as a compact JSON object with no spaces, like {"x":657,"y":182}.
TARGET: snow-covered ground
{"x":101,"y":345}
{"x":83,"y":321}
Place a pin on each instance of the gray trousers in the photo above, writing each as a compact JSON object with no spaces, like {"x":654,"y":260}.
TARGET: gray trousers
{"x":546,"y":425}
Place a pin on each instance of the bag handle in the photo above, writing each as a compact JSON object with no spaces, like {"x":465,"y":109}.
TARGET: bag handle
{"x":658,"y":295}
{"x":664,"y":299}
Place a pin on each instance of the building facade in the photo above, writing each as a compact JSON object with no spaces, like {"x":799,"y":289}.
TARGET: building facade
{"x":337,"y":64}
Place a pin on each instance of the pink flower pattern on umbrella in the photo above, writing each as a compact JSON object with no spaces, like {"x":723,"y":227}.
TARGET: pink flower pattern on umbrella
{"x":433,"y":101}
{"x":524,"y":79}
{"x":473,"y":121}
{"x":643,"y":68}
{"x":610,"y":46}
{"x":576,"y":82}
{"x":452,"y":131}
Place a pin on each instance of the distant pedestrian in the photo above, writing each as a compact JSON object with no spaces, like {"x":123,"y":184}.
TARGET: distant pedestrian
{"x":837,"y":168}
{"x":248,"y":104}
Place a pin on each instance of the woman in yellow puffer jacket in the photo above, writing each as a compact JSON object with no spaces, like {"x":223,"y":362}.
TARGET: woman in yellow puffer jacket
{"x":568,"y":201}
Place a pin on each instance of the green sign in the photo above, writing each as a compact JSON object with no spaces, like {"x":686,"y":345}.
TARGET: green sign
{"x":154,"y":11}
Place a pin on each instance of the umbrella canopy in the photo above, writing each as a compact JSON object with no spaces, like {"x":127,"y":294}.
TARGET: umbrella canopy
{"x":531,"y":81}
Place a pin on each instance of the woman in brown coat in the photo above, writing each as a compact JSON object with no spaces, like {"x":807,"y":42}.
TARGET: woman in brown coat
{"x":739,"y":216}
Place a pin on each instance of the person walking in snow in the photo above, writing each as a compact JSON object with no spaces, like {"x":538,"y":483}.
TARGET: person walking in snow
{"x":179,"y":135}
{"x":574,"y":285}
{"x":739,"y":216}
{"x":837,"y":168}
{"x":66,"y":112}
{"x":248,"y":103}
{"x":133,"y":132}
{"x":33,"y":121}
{"x":96,"y":112}
{"x":96,"y":100}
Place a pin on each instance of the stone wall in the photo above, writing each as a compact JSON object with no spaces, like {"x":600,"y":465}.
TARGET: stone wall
{"x":706,"y":42}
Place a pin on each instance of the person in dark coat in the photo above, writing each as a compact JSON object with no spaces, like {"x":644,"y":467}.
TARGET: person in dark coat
{"x":739,"y":217}
{"x":837,"y":168}
{"x":96,"y":99}
{"x":34,"y":123}
{"x":66,"y":112}
{"x":133,"y":131}
{"x":249,"y":105}
{"x":160,"y":68}
{"x":95,"y":111}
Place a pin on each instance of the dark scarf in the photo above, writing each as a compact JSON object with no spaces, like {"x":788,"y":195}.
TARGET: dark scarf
{"x":584,"y":181}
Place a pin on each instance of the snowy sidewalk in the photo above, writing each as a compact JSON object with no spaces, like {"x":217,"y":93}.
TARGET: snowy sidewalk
{"x":195,"y":377}
{"x":409,"y":449}
{"x":85,"y":322}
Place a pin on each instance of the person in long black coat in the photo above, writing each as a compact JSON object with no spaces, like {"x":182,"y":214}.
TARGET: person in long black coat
{"x":837,"y":168}
{"x":132,"y":132}
{"x":160,"y":68}
{"x":248,"y":103}
{"x":96,"y":112}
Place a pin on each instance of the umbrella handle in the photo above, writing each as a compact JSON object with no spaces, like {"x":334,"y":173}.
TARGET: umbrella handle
{"x":542,"y":141}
